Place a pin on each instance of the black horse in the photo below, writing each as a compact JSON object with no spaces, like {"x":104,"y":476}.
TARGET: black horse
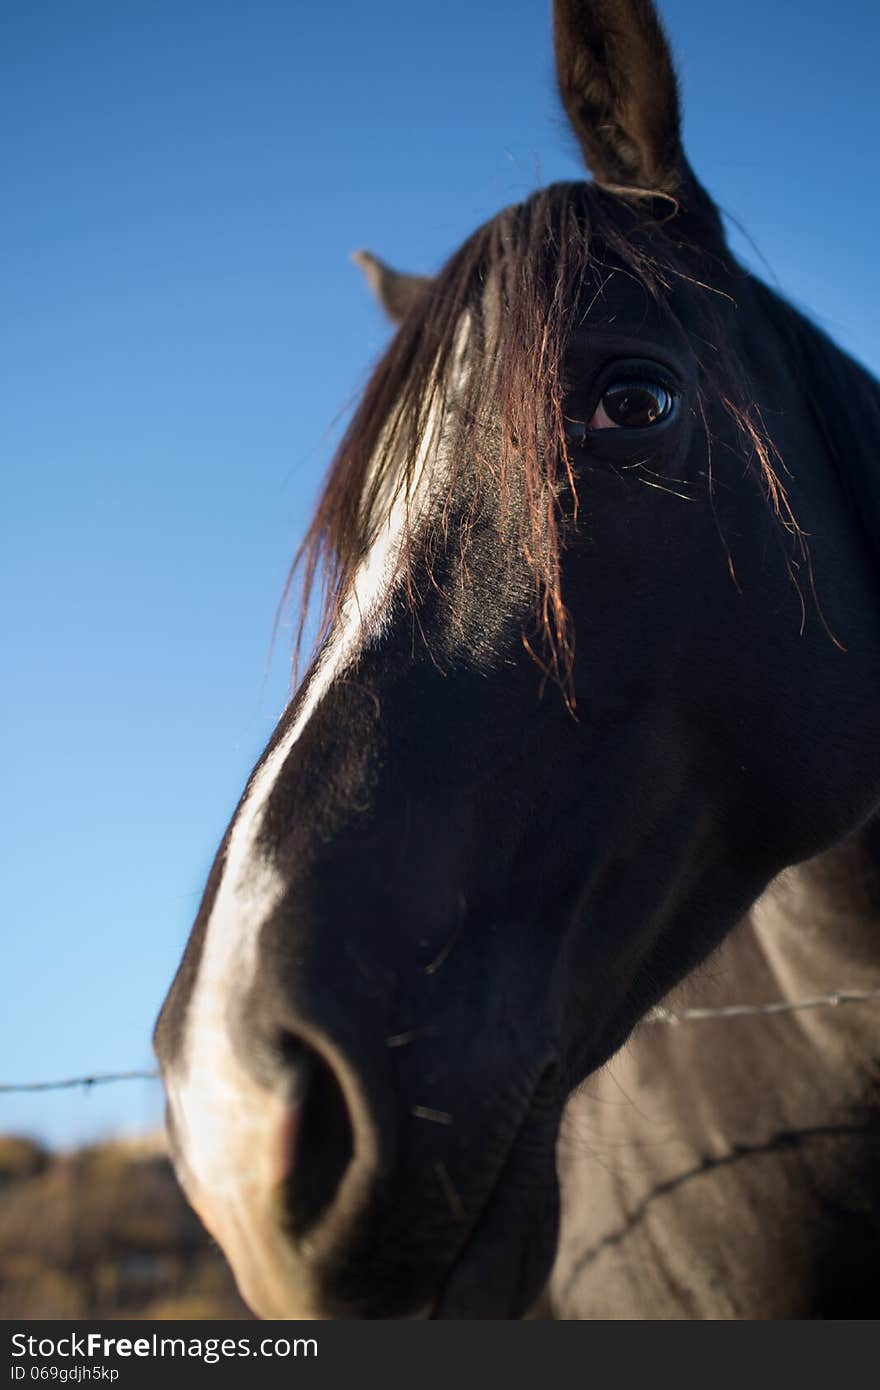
{"x":600,"y":663}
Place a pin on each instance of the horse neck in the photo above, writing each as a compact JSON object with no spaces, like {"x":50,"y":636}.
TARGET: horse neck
{"x":736,"y":1144}
{"x":850,"y":430}
{"x":824,"y":916}
{"x":814,"y":932}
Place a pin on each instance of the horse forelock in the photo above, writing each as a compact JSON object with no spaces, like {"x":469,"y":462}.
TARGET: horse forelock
{"x":519,"y":287}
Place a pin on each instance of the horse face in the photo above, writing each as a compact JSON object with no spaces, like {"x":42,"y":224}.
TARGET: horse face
{"x":455,"y":882}
{"x":423,"y":926}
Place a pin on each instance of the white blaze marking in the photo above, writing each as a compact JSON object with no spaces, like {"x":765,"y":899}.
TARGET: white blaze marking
{"x":228,"y":1125}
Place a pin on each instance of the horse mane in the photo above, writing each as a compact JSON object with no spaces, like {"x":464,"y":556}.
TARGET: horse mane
{"x":536,"y":262}
{"x":825,"y":373}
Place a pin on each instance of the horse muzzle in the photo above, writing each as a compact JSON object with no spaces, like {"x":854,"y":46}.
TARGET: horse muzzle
{"x":330,"y":1199}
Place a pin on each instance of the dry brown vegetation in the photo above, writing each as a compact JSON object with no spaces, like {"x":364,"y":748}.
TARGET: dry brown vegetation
{"x":104,"y":1232}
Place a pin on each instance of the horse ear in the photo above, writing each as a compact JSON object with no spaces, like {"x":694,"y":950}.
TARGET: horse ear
{"x":619,"y":91}
{"x":396,"y":291}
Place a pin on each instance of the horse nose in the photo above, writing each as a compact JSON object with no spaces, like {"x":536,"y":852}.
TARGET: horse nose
{"x":278,"y":1137}
{"x":337,"y":1133}
{"x":319,"y":1147}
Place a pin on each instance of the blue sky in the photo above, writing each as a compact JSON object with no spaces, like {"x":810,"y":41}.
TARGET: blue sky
{"x":183,"y":182}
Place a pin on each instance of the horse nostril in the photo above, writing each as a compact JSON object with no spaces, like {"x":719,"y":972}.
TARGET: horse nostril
{"x":324,"y":1142}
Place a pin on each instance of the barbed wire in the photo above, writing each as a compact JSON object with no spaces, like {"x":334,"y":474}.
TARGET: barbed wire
{"x":101,"y":1078}
{"x":659,"y":1014}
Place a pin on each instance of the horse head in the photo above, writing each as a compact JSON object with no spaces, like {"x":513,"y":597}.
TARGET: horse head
{"x":592,"y":671}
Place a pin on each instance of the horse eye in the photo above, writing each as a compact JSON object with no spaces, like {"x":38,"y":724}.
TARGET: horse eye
{"x":633,"y":405}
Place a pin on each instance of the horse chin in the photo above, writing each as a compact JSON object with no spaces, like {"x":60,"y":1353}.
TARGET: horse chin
{"x":505,"y":1266}
{"x":499,"y":1272}
{"x":476,"y":1288}
{"x":481,"y":1286}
